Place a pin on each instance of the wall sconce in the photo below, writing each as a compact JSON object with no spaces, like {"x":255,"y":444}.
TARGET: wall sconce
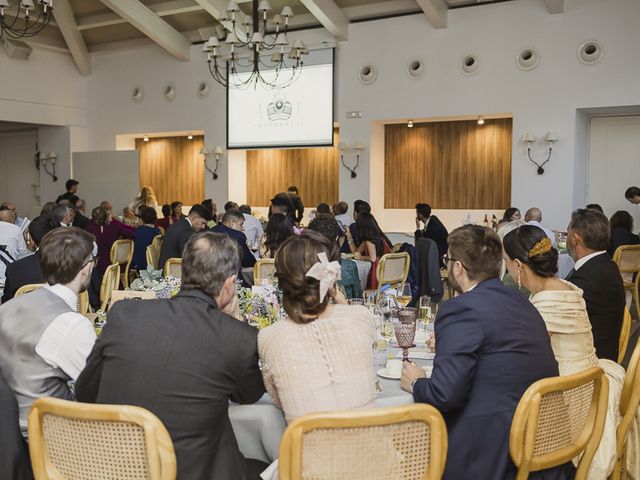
{"x":529,"y":138}
{"x":218,"y":153}
{"x":51,"y":157}
{"x":343,"y":147}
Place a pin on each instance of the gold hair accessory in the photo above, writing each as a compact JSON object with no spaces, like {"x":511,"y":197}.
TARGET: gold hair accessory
{"x":543,"y":246}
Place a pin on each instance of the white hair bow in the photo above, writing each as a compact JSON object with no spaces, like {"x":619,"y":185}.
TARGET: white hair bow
{"x":327,"y":272}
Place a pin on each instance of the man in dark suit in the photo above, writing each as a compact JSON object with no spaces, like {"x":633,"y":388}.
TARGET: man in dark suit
{"x":491,"y":345}
{"x":71,"y":186}
{"x":232,"y":225}
{"x":27,"y":270}
{"x":433,"y":228}
{"x":598,"y":277}
{"x":183,"y":359}
{"x":79,"y":219}
{"x":296,"y":202}
{"x":179,"y":233}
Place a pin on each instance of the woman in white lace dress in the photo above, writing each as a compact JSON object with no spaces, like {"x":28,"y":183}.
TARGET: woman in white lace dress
{"x":532,"y":262}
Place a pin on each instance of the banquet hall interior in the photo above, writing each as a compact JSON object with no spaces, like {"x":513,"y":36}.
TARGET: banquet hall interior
{"x":419,"y":214}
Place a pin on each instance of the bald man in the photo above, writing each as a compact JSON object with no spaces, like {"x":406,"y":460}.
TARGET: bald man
{"x":533,"y":216}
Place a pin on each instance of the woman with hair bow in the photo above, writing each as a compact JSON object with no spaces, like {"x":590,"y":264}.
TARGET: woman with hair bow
{"x":532,"y":262}
{"x":320,"y":357}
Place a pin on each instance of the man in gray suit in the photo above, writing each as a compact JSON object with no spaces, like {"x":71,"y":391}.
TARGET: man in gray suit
{"x":183,"y":359}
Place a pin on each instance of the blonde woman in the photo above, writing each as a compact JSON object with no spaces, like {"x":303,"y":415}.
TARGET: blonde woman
{"x":146,"y":198}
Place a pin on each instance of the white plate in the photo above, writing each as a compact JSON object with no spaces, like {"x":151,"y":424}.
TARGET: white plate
{"x":384,"y":374}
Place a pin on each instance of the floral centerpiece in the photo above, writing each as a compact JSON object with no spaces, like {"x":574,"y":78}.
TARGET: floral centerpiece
{"x":260,"y":306}
{"x":152,"y":281}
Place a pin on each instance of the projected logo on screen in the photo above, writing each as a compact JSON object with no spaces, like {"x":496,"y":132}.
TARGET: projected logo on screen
{"x":279,"y":109}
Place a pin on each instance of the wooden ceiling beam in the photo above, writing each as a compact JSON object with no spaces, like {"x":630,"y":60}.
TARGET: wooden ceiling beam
{"x":72,"y":36}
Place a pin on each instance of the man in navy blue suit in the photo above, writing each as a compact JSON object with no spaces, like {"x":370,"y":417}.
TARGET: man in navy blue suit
{"x":232,"y":225}
{"x":491,"y":345}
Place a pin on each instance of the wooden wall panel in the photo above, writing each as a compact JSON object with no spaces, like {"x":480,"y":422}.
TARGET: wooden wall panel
{"x":456,"y":165}
{"x":173,"y":167}
{"x":313,"y":170}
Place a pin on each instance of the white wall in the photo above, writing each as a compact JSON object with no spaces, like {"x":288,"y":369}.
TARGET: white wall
{"x":18,"y":174}
{"x":546,"y":98}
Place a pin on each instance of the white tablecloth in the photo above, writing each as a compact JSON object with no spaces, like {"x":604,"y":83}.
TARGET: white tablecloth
{"x":363,"y":272}
{"x":565,"y":264}
{"x":259,"y":427}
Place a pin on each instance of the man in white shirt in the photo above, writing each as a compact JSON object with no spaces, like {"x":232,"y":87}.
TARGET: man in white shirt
{"x":21,"y":222}
{"x":12,"y":244}
{"x":252,"y":228}
{"x":340,"y":210}
{"x":533,"y":216}
{"x":44,"y":342}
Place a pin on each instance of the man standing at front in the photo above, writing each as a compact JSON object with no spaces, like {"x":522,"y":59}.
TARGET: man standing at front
{"x":491,"y":345}
{"x":183,"y":359}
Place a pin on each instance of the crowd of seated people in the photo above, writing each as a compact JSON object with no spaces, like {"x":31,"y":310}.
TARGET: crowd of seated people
{"x":201,"y":356}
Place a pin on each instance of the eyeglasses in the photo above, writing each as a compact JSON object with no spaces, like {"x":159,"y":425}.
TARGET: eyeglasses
{"x":93,"y":260}
{"x":448,"y":259}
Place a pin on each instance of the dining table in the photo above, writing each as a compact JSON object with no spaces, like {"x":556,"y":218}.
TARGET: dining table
{"x":258,"y":427}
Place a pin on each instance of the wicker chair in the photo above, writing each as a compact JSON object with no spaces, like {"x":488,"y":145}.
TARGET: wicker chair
{"x":627,"y":257}
{"x":557,"y":419}
{"x":265,"y":268}
{"x":153,"y":252}
{"x":110,"y":282}
{"x":71,"y":440}
{"x":629,"y":402}
{"x":402,"y":443}
{"x":27,"y":288}
{"x":122,"y":254}
{"x":393,"y":268}
{"x":173,"y":267}
{"x":625,"y":333}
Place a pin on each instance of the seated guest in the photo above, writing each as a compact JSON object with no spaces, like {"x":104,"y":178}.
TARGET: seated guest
{"x":44,"y":342}
{"x":106,"y":233}
{"x":323,"y":209}
{"x":167,"y":220}
{"x":510,"y":214}
{"x":595,"y":206}
{"x":179,"y":233}
{"x":71,"y":186}
{"x":145,"y":234}
{"x":183,"y":359}
{"x":230,"y":206}
{"x":26,"y":271}
{"x":63,"y":214}
{"x":129,"y":217}
{"x":433,"y":228}
{"x":107,"y":206}
{"x":359,"y":206}
{"x":21,"y":222}
{"x":621,"y":224}
{"x":79,"y":219}
{"x":11,"y":237}
{"x":598,"y":278}
{"x":340,"y":210}
{"x":532,"y":259}
{"x":373,"y":245}
{"x":491,"y":345}
{"x":328,"y":226}
{"x":232,"y":225}
{"x":505,"y":276}
{"x":632,"y":194}
{"x":307,"y":269}
{"x":281,"y":203}
{"x":209,"y":205}
{"x":252,"y":228}
{"x":47,"y":208}
{"x":146,"y":198}
{"x":176,"y":211}
{"x":278,"y":229}
{"x":533,"y":216}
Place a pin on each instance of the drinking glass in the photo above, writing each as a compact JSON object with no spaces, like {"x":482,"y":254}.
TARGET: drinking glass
{"x":387,"y":331}
{"x":403,"y":297}
{"x":369,"y":296}
{"x":405,"y":331}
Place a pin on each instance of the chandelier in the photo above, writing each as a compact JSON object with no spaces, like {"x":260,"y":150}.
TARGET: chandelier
{"x":21,"y":24}
{"x":269,"y":57}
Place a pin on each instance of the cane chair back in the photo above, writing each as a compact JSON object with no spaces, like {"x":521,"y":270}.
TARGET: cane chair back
{"x":27,"y":288}
{"x":265,"y":268}
{"x":173,"y":268}
{"x":122,"y":254}
{"x":110,"y":282}
{"x":393,"y":269}
{"x":627,"y":257}
{"x":625,"y":333}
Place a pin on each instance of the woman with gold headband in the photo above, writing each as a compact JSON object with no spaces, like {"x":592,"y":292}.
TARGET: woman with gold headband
{"x":532,"y":262}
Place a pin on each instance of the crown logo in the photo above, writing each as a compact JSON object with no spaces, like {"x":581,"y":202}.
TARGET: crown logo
{"x":279,"y":110}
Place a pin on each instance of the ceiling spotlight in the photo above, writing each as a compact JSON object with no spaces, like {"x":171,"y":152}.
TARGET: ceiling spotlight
{"x":146,"y":138}
{"x":190,"y":137}
{"x":410,"y":124}
{"x":480,"y":120}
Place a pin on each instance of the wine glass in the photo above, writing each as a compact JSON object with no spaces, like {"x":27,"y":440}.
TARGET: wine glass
{"x":387,"y":331}
{"x":405,"y":331}
{"x":403,"y":296}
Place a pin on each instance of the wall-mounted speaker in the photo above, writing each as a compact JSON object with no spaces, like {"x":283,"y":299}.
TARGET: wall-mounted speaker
{"x":16,"y":49}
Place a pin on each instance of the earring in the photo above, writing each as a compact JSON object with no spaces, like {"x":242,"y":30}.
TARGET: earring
{"x":519,"y":282}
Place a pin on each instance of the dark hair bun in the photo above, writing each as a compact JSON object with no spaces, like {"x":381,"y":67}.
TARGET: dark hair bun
{"x":531,"y":246}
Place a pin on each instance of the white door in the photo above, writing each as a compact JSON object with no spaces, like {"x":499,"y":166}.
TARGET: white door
{"x":614,"y":163}
{"x":112,"y":176}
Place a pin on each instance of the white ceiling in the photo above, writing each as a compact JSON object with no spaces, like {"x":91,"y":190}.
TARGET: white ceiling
{"x":85,"y":26}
